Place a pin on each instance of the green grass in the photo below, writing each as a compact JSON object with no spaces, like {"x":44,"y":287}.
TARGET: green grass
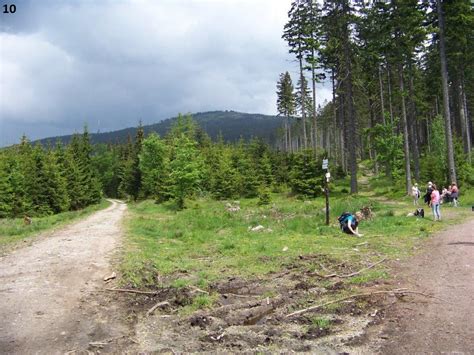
{"x":13,"y":230}
{"x":205,"y":243}
{"x":321,"y":322}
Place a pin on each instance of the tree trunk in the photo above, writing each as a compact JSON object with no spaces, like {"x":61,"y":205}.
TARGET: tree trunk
{"x":406,"y":148}
{"x":465,"y":121}
{"x":342,"y":130}
{"x":428,"y":133}
{"x":372,"y":150}
{"x":315,"y":128}
{"x":382,"y":105}
{"x":413,"y":128}
{"x":303,"y":108}
{"x":337,"y":132}
{"x":444,"y":80}
{"x":350,"y":109}
{"x":389,"y":83}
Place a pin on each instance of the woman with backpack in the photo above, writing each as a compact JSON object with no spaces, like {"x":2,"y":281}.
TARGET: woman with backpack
{"x":427,"y":196}
{"x":350,"y":223}
{"x":454,"y":194}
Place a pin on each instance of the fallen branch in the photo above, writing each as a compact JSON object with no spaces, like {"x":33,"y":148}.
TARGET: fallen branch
{"x":98,"y":344}
{"x":198,"y":289}
{"x":159,"y":304}
{"x":396,"y":292}
{"x":154,"y":293}
{"x":349,"y":275}
{"x":362,"y":270}
{"x":237,"y":295}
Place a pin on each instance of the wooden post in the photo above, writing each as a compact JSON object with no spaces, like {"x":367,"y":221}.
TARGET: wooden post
{"x":327,"y":202}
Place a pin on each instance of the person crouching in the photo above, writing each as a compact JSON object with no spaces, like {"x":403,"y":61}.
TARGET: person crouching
{"x":351,"y":225}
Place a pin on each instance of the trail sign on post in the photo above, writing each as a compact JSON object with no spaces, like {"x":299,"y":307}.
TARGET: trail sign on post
{"x":325,"y":164}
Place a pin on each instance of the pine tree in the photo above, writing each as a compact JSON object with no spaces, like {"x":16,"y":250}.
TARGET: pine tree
{"x":224,"y":183}
{"x":304,"y":103}
{"x":265,"y":171}
{"x":91,"y":181}
{"x":295,"y":33}
{"x":444,"y":80}
{"x":153,"y":161}
{"x":75,"y":176}
{"x":6,"y":189}
{"x":186,"y":169}
{"x":286,"y":105}
{"x":39,"y":189}
{"x":246,"y":172}
{"x":55,"y":184}
{"x":306,"y":174}
{"x":131,"y":179}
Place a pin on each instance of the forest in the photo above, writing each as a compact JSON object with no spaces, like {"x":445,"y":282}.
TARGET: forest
{"x":402,"y":100}
{"x":401,"y":74}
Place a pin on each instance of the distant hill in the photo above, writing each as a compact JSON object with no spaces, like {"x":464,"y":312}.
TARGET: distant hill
{"x":231,"y":124}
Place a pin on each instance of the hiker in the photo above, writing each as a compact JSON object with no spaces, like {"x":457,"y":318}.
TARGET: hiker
{"x":454,"y":194}
{"x":350,"y":223}
{"x":415,"y":192}
{"x":434,"y":203}
{"x":429,"y":190}
{"x":445,"y":195}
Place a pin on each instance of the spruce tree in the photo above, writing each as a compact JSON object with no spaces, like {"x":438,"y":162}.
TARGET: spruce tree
{"x":6,"y":189}
{"x":306,"y":174}
{"x":75,"y":176}
{"x":186,"y":169}
{"x":55,"y":183}
{"x":39,"y":189}
{"x":153,"y":161}
{"x":286,"y":105}
{"x":224,"y":183}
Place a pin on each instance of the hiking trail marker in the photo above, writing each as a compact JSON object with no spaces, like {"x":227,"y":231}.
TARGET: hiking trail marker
{"x":325,"y":164}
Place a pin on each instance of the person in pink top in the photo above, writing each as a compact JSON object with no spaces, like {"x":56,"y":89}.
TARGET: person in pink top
{"x":434,"y":203}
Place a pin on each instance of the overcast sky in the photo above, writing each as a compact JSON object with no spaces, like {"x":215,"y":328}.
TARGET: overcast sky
{"x":110,"y":63}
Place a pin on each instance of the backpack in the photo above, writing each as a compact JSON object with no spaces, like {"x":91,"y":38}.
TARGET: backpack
{"x":343,"y":219}
{"x":420,"y":212}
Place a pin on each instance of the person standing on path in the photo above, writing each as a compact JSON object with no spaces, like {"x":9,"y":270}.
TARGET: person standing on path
{"x":427,"y":196}
{"x":415,"y":191}
{"x":454,"y":194}
{"x":434,"y":203}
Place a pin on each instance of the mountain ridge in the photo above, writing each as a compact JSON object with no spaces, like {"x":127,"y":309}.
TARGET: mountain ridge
{"x":232,"y":124}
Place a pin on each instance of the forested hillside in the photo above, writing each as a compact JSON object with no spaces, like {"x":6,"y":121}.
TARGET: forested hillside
{"x":184,"y":163}
{"x":230,"y":124}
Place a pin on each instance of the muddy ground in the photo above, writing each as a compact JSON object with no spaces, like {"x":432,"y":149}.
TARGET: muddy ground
{"x":432,"y":310}
{"x":253,"y":316}
{"x":54,"y":300}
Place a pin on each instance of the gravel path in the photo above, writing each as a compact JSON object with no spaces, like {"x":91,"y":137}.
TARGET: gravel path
{"x":45,"y":289}
{"x":442,"y":325}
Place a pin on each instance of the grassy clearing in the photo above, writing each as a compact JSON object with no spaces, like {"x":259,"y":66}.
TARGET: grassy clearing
{"x":205,"y":243}
{"x":13,"y":230}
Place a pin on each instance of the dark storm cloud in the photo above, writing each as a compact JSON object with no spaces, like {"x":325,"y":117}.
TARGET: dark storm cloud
{"x":111,"y":63}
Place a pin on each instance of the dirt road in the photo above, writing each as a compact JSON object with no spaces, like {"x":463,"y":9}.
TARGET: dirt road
{"x":45,"y":289}
{"x":441,"y":325}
